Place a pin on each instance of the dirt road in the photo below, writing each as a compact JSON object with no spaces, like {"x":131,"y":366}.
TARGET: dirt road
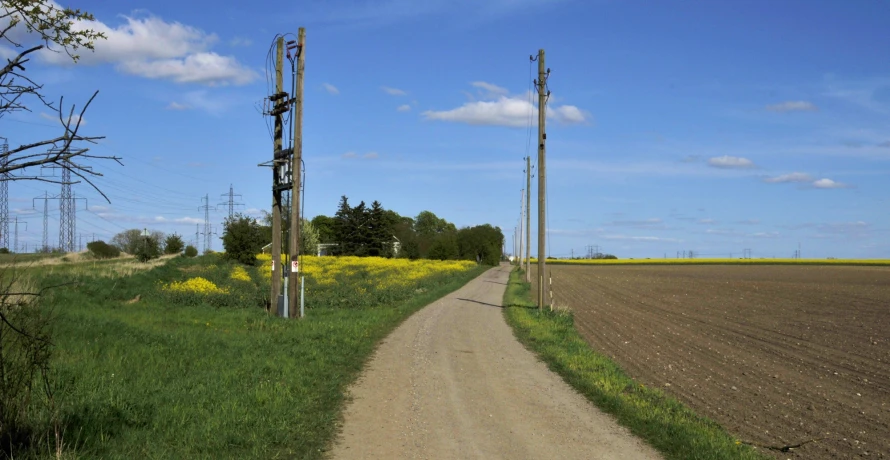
{"x":452,"y":382}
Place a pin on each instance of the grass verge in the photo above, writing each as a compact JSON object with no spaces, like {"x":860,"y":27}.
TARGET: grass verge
{"x":662,"y":421}
{"x":140,"y":376}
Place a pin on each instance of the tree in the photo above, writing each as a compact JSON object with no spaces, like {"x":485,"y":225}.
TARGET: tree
{"x":103,"y":250}
{"x":482,"y":243}
{"x":25,"y":330}
{"x":343,"y":228}
{"x":445,"y":247}
{"x":361,"y":236}
{"x":173,"y":244}
{"x":428,"y":227}
{"x":308,"y":238}
{"x":130,"y":241}
{"x":325,"y":226}
{"x":44,"y":24}
{"x":242,"y":239}
{"x":379,"y":232}
{"x":190,"y":251}
{"x":127,"y":240}
{"x":149,"y":247}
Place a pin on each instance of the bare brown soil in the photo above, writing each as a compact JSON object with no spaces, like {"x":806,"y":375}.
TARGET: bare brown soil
{"x":778,"y":355}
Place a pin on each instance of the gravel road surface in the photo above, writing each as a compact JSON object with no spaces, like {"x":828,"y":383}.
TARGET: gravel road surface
{"x":452,"y":382}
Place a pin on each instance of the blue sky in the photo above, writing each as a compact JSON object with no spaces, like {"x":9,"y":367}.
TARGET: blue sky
{"x":711,"y":127}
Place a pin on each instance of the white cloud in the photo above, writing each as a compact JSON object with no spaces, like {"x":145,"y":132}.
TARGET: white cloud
{"x":55,"y":118}
{"x":209,"y":69}
{"x":188,"y":220}
{"x":707,"y":221}
{"x":177,"y":106}
{"x":404,"y":108}
{"x":371,"y":155}
{"x":568,"y":114}
{"x":240,"y":41}
{"x":393,"y":91}
{"x":153,"y":48}
{"x":728,"y":162}
{"x":498,"y":108}
{"x":330,"y":88}
{"x":765,"y":235}
{"x":350,"y":155}
{"x":654,"y":221}
{"x":792,"y":177}
{"x":640,"y":238}
{"x":793,"y":106}
{"x":204,"y":100}
{"x":504,"y":112}
{"x":828,"y":183}
{"x":490,"y":89}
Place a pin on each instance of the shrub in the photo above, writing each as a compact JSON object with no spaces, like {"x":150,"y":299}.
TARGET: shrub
{"x":242,"y":239}
{"x":173,"y":244}
{"x":149,"y":249}
{"x":191,"y":251}
{"x":102,"y":250}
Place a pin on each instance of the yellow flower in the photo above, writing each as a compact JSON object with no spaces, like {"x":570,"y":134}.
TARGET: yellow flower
{"x":240,"y":274}
{"x":197,"y":285}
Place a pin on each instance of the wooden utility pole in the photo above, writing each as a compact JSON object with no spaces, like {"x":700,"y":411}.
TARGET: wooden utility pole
{"x":521,"y":211}
{"x":528,"y":220}
{"x":541,"y":84}
{"x":276,"y":193}
{"x":296,"y":168}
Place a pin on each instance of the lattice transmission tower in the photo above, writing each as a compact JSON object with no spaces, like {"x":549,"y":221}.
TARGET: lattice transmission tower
{"x":4,"y":194}
{"x":231,"y":202}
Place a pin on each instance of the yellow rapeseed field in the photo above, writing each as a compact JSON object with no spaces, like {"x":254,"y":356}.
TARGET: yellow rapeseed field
{"x":366,"y":281}
{"x":326,"y":271}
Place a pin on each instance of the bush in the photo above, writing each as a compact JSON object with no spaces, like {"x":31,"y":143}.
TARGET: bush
{"x":149,"y":249}
{"x":173,"y":244}
{"x":25,"y":356}
{"x":102,"y":250}
{"x":191,"y":251}
{"x":242,"y":239}
{"x":4,"y":250}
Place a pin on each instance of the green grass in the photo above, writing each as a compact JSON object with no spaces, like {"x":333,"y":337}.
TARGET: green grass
{"x":660,"y":420}
{"x":157,"y":379}
{"x":25,"y":257}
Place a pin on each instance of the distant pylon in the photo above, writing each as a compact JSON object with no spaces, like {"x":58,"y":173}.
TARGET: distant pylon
{"x":231,"y":202}
{"x":206,"y":208}
{"x":4,"y":195}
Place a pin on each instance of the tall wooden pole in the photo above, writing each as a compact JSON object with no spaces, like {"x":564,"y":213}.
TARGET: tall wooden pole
{"x":296,"y":167}
{"x":528,"y":219}
{"x":276,"y":194}
{"x":542,"y":183}
{"x":521,"y":211}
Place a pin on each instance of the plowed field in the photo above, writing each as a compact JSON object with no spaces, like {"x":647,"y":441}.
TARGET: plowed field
{"x":778,"y":355}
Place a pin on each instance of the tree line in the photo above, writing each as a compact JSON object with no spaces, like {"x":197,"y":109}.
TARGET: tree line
{"x":363,"y":230}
